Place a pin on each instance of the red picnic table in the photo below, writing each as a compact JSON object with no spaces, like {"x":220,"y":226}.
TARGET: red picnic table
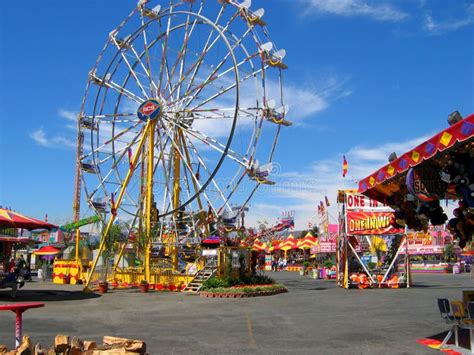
{"x":18,"y":309}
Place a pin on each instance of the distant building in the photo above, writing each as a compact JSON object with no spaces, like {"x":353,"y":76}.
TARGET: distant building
{"x":48,"y":237}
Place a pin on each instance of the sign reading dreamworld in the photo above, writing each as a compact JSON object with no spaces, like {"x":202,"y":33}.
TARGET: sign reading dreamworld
{"x":371,"y":223}
{"x":369,"y":217}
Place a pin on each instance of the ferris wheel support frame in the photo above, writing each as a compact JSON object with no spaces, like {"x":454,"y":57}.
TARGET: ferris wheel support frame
{"x":149,"y":195}
{"x":119,"y":200}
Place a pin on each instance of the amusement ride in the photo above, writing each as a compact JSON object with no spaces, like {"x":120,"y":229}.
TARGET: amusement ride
{"x":177,"y":130}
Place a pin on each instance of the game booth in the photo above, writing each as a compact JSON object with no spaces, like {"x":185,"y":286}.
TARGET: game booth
{"x":369,"y":248}
{"x":421,"y":183}
{"x":428,"y":252}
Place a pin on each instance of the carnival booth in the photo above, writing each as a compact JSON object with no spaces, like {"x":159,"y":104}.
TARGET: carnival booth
{"x":369,"y":246}
{"x":414,"y":184}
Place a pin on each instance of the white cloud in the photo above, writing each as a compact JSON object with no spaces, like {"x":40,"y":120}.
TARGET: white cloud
{"x":68,"y":115}
{"x":381,"y":153}
{"x":301,"y":191}
{"x":437,"y":27}
{"x":40,"y":137}
{"x":306,"y":100}
{"x":380,"y":11}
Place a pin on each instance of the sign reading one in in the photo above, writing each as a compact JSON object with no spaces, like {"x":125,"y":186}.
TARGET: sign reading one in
{"x":361,"y":202}
{"x":371,"y":223}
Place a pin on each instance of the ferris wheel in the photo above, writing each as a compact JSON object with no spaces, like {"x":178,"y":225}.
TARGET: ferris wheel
{"x":181,"y":114}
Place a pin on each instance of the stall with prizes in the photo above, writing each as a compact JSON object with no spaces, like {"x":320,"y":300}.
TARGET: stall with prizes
{"x":369,"y":247}
{"x":421,"y":183}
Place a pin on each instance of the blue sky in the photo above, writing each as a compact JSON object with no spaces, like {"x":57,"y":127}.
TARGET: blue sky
{"x":365,"y":78}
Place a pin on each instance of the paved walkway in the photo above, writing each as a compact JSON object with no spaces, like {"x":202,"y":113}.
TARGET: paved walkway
{"x":315,"y":317}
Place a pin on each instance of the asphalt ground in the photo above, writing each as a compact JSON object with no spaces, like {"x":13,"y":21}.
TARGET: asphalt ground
{"x":315,"y":317}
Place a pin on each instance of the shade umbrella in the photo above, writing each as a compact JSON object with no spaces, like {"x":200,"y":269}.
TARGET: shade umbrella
{"x":290,"y":239}
{"x":309,"y":240}
{"x":259,"y":246}
{"x":10,"y":219}
{"x":276,"y":245}
{"x":47,"y":251}
{"x":305,"y":245}
{"x":286,"y":247}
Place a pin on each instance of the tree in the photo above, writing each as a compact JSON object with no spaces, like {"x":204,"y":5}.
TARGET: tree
{"x":314,"y":231}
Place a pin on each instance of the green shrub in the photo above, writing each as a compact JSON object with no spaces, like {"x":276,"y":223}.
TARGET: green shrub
{"x":261,"y":280}
{"x":329,"y":264}
{"x":229,"y":281}
{"x":215,"y":282}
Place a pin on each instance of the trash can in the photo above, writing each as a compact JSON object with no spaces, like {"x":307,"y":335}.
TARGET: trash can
{"x":40,"y":274}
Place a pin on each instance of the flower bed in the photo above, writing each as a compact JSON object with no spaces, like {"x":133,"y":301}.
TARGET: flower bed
{"x":243,"y":291}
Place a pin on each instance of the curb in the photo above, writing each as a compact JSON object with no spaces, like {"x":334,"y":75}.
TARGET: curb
{"x":205,"y":294}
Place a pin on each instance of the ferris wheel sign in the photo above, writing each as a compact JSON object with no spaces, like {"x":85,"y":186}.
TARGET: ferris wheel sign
{"x":149,"y":110}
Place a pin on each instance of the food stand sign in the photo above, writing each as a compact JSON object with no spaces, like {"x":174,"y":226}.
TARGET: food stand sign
{"x":371,"y":223}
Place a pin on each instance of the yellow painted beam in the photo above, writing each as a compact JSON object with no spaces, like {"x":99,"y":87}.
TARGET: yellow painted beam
{"x":149,"y":197}
{"x":119,"y":200}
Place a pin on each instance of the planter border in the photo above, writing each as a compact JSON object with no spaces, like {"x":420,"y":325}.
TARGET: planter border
{"x":207,"y":294}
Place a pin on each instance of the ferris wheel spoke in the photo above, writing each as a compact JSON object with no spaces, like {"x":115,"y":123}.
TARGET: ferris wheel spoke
{"x":147,"y":68}
{"x":209,"y":45}
{"x":187,"y":179}
{"x":181,"y":58}
{"x":147,"y":56}
{"x":213,"y":143}
{"x":194,"y":68}
{"x":220,"y":113}
{"x":166,"y":167}
{"x":122,"y":91}
{"x":101,"y":183}
{"x":92,"y":122}
{"x":164,"y":49}
{"x":130,"y":68}
{"x":103,"y":145}
{"x":203,"y":164}
{"x":191,"y":95}
{"x":116,"y":160}
{"x":176,"y":148}
{"x":227,"y":89}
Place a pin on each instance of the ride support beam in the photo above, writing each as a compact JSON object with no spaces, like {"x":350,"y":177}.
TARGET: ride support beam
{"x":117,"y":204}
{"x":176,"y":196}
{"x":149,"y":197}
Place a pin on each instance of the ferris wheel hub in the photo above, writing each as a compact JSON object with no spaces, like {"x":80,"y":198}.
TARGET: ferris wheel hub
{"x":150,"y":110}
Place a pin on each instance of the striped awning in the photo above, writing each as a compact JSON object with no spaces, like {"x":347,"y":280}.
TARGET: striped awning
{"x":375,"y":185}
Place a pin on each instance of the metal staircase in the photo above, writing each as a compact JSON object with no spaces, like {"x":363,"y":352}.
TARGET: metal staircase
{"x":202,"y":275}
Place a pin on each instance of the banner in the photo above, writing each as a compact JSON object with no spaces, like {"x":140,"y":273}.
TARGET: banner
{"x":371,"y":223}
{"x":361,"y":202}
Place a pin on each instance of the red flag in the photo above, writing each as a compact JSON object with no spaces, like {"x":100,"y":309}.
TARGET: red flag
{"x":345,"y":167}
